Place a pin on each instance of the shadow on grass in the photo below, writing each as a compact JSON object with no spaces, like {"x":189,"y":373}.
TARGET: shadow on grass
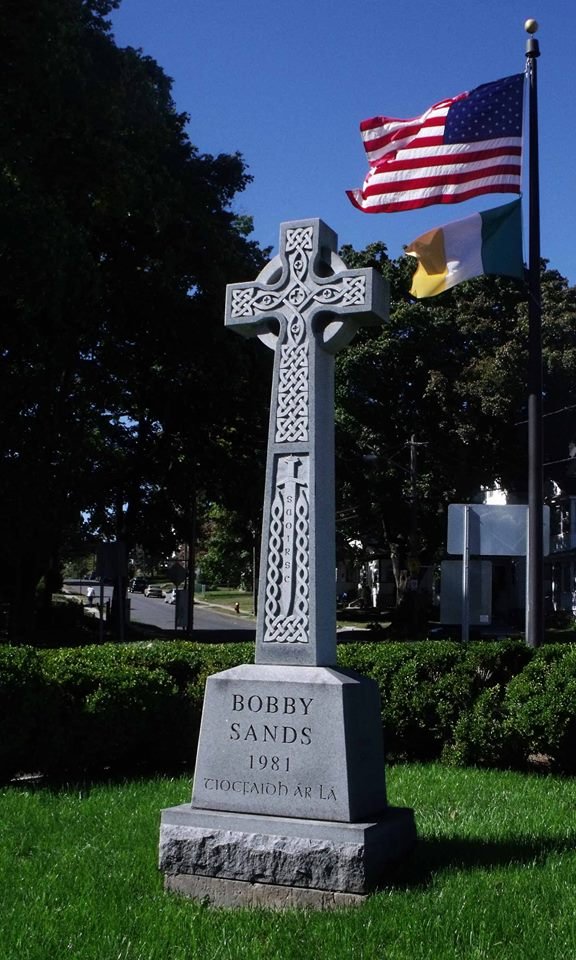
{"x":434,"y":856}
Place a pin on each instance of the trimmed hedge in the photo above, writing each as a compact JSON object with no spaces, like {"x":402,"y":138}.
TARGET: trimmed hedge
{"x":22,"y":693}
{"x":136,"y":707}
{"x":532,"y":719}
{"x":426,"y":688}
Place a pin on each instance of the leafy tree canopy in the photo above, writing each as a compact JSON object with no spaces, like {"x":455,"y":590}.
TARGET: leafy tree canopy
{"x":445,"y":381}
{"x":226,"y":557}
{"x":120,"y":391}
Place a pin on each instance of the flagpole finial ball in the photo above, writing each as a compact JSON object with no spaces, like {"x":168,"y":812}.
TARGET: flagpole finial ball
{"x":531,"y":26}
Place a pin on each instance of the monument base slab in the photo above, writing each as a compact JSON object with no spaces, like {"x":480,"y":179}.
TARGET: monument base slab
{"x":324,"y":856}
{"x":218,"y":892}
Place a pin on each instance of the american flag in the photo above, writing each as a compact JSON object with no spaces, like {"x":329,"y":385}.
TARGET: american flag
{"x":459,"y":148}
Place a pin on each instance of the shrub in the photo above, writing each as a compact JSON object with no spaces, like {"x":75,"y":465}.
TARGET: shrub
{"x":479,"y":736}
{"x":496,"y":662}
{"x":130,"y":719}
{"x":426,"y":694}
{"x":426,"y":688}
{"x":21,"y":693}
{"x":105,"y":711}
{"x":128,"y":706}
{"x":528,"y":715}
{"x":138,"y":705}
{"x":540,"y":709}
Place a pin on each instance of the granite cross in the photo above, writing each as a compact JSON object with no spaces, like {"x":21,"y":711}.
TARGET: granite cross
{"x":289,"y":798}
{"x":306,"y":306}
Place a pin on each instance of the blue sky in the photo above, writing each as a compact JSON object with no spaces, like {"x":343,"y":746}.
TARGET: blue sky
{"x":287,"y":84}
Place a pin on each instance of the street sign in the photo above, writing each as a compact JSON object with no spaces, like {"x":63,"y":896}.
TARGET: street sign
{"x":176,"y":573}
{"x":494,"y":530}
{"x":111,"y":560}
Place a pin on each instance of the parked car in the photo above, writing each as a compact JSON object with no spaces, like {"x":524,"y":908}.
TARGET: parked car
{"x":154,"y":591}
{"x":170,"y":597}
{"x":137,"y":585}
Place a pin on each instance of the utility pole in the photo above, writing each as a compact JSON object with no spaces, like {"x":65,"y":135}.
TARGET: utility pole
{"x":413,"y":544}
{"x":191,"y":564}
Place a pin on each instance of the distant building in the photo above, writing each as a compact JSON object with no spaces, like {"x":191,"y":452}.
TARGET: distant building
{"x":562,"y":559}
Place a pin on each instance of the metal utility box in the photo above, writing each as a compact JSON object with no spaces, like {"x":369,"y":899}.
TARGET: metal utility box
{"x":480,"y":592}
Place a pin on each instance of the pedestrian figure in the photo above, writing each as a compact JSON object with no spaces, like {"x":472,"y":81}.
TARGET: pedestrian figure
{"x":90,"y":595}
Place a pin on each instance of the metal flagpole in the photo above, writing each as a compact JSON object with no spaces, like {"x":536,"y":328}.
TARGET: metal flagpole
{"x":535,"y":557}
{"x":466,"y":577}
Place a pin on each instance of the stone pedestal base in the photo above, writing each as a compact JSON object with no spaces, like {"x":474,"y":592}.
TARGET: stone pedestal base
{"x":217,"y":892}
{"x":242,"y":859}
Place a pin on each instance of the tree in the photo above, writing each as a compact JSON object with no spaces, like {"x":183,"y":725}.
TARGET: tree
{"x":447,"y":374}
{"x":226,"y":557}
{"x":121,"y":393}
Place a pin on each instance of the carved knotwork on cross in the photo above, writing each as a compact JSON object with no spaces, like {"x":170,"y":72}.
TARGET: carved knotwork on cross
{"x":306,"y":306}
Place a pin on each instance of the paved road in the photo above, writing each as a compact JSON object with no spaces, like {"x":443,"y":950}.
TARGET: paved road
{"x":157,"y":613}
{"x":148,"y":610}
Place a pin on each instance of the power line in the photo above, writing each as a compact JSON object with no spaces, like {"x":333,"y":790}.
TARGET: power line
{"x":552,"y":413}
{"x":551,"y":463}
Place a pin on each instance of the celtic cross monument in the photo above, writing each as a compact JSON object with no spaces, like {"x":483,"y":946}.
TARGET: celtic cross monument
{"x":306,"y":306}
{"x":289,"y":800}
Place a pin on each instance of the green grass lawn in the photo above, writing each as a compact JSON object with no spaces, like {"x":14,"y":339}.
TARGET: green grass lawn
{"x":227,"y":598}
{"x":494,"y":877}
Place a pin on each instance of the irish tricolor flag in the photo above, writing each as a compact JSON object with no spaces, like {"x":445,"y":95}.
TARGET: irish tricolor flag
{"x":489,"y":242}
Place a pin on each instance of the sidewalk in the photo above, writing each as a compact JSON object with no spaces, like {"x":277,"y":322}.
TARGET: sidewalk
{"x":225,"y":608}
{"x":340,"y":626}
